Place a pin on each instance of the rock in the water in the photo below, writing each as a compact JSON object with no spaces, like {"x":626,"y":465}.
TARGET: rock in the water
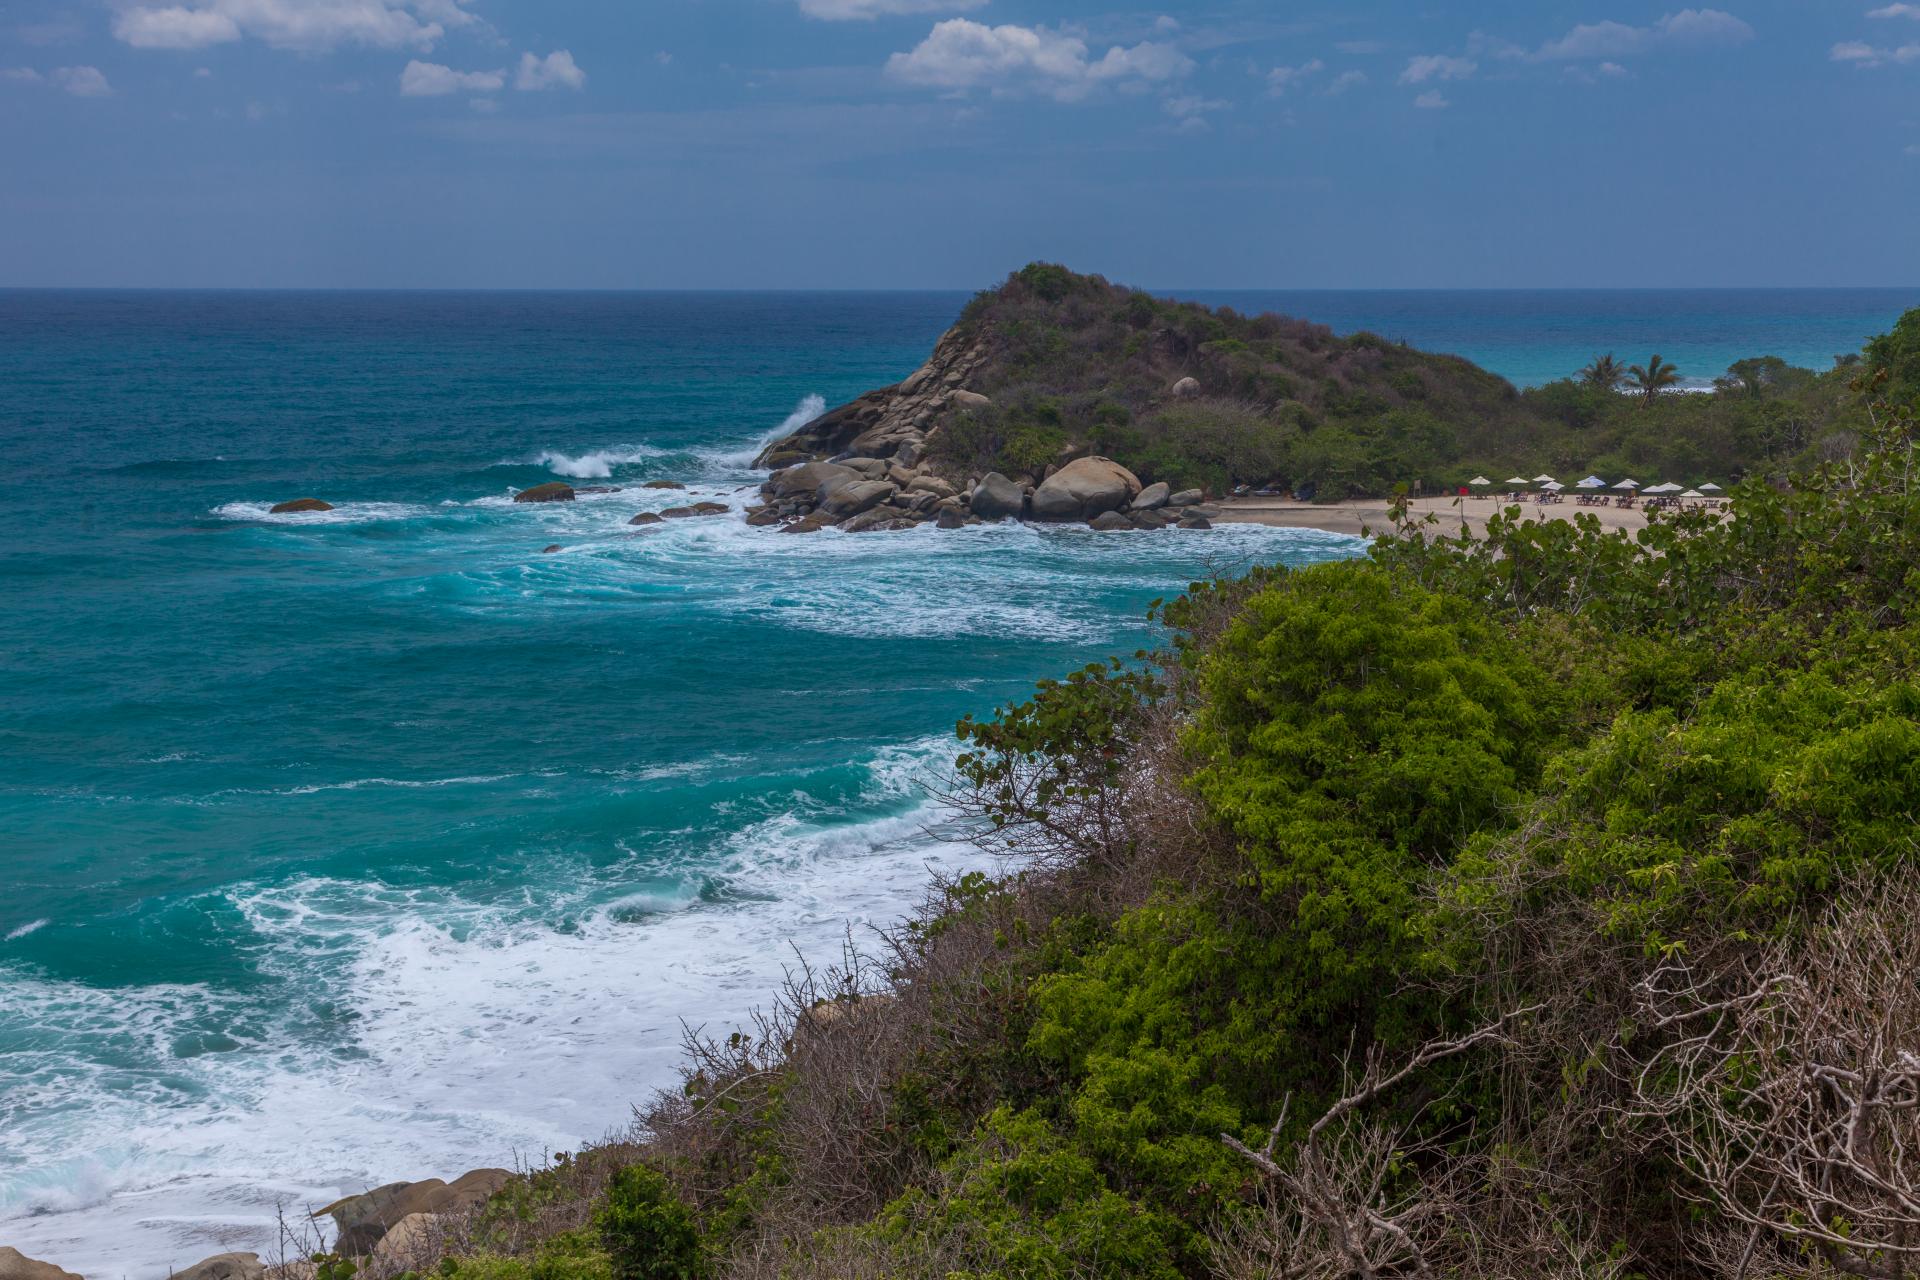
{"x":663,"y":484}
{"x":1186,"y":387}
{"x":760,"y":517}
{"x":1110,"y":522}
{"x":807,"y":479}
{"x":969,"y":400}
{"x":852,"y":499}
{"x":15,"y":1265}
{"x":710,"y":508}
{"x":1083,"y":489}
{"x":1195,"y":522}
{"x":551,"y":491}
{"x":949,"y":519}
{"x":298,"y":504}
{"x":225,"y":1266}
{"x":877,"y":519}
{"x":1153,"y":497}
{"x":998,"y":498}
{"x":648,"y":517}
{"x":1149,"y":519}
{"x":1185,"y":498}
{"x":808,"y":524}
{"x":549,"y":550}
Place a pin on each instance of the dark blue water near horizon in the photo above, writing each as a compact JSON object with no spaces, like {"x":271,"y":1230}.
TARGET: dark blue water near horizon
{"x":381,"y":843}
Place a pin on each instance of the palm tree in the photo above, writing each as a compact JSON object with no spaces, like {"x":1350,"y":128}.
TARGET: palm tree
{"x":1655,"y":376}
{"x":1604,"y":374}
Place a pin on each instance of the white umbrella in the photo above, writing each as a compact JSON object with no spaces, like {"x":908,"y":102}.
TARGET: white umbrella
{"x":1710,"y":487}
{"x":1553,"y":486}
{"x":1628,"y":484}
{"x":1479,"y":480}
{"x":1517,"y":480}
{"x":1593,"y":482}
{"x":1543,"y":480}
{"x":1669,"y":487}
{"x":1693,"y":493}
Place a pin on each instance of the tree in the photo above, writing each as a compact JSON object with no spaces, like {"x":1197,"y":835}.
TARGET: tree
{"x":1653,"y":377}
{"x":1605,"y":373}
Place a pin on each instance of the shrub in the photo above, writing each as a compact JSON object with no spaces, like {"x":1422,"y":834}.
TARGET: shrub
{"x":646,"y":1229}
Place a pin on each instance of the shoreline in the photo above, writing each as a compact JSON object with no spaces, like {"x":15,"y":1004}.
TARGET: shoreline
{"x":1367,"y":517}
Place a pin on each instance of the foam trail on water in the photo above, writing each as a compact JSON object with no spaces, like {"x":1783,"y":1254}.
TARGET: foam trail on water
{"x":597,"y":464}
{"x":26,"y":929}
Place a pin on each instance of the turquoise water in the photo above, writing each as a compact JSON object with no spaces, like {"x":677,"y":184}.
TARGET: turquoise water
{"x":374,"y":844}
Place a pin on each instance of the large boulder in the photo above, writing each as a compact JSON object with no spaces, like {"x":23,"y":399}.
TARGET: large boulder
{"x":878,"y":518}
{"x":413,"y":1242}
{"x":1083,"y":489}
{"x":15,"y":1265}
{"x":852,"y":499}
{"x":808,"y":524}
{"x":1153,"y":497}
{"x":950,"y":519}
{"x":806,"y":480}
{"x":551,"y":491}
{"x":998,"y":498}
{"x":298,"y":504}
{"x":931,"y":484}
{"x":871,"y":468}
{"x":648,"y":517}
{"x":1110,"y":522}
{"x":1186,"y":387}
{"x":365,"y":1219}
{"x":968,"y":400}
{"x":225,"y":1266}
{"x":1185,"y":498}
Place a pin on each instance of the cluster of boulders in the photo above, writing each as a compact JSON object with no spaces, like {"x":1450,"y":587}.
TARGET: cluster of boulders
{"x":392,"y":1229}
{"x":861,"y":495}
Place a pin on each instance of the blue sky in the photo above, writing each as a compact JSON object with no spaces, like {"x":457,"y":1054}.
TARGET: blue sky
{"x":939,"y":143}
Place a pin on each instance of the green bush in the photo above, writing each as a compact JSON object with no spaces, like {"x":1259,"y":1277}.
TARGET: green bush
{"x":646,"y":1230}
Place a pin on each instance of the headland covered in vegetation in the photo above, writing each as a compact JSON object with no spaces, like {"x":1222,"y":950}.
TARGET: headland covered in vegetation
{"x":1534,"y":904}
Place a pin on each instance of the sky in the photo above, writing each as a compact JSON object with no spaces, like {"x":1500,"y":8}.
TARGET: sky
{"x":941,"y":143}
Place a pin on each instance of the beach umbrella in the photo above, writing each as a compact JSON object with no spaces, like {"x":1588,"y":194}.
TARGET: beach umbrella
{"x":1628,"y":484}
{"x":1669,"y":487}
{"x":1693,"y":493}
{"x":1710,"y":487}
{"x":1479,"y":480}
{"x":1543,"y":480}
{"x":1517,"y":480}
{"x":1553,"y":486}
{"x":1593,"y":482}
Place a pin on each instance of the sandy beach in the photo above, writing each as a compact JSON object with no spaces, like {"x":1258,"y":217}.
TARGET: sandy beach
{"x":1369,"y":515}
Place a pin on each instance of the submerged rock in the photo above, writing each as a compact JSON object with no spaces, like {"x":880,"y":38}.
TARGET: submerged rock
{"x":551,"y":491}
{"x":1083,"y":489}
{"x":547,"y":551}
{"x":299,"y":504}
{"x":648,"y":517}
{"x":663,"y":484}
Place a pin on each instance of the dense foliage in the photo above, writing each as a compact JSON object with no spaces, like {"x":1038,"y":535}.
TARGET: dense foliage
{"x":1078,"y":363}
{"x":1539,"y":904}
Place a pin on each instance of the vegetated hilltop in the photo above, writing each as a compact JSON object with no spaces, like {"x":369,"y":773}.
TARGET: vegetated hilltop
{"x":1053,"y":365}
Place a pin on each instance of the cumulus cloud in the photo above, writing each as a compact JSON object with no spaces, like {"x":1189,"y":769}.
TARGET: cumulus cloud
{"x":1432,"y":100}
{"x":1280,"y":79}
{"x":82,"y":82}
{"x":21,"y":75}
{"x":1346,"y":80}
{"x":431,"y":80}
{"x":1688,"y":27}
{"x":1897,"y":11}
{"x":961,"y":54}
{"x":555,"y":71}
{"x":308,"y":26}
{"x":1191,"y":111}
{"x":845,"y":10}
{"x":1437,"y":66}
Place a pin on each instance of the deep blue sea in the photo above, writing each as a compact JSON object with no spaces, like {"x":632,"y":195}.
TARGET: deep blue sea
{"x":378,"y":844}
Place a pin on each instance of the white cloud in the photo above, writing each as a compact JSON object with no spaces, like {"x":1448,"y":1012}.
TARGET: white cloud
{"x":845,"y":10}
{"x":309,"y":26}
{"x":1437,"y":66}
{"x":1191,"y":111}
{"x":203,"y":73}
{"x":82,"y":82}
{"x":960,"y":54}
{"x":21,"y":75}
{"x":431,"y":80}
{"x":1280,"y":79}
{"x":1861,"y":54}
{"x":1432,"y":100}
{"x":1617,"y":39}
{"x":555,"y":71}
{"x":1897,"y":11}
{"x":1613,"y":69}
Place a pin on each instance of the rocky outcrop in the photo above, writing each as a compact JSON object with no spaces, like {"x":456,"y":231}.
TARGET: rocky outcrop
{"x":551,"y":491}
{"x":225,"y":1266}
{"x":298,"y":504}
{"x":893,"y":422}
{"x":1084,"y":488}
{"x":15,"y":1265}
{"x":365,"y":1219}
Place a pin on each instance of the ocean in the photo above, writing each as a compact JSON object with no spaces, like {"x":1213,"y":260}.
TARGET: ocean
{"x":378,"y":843}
